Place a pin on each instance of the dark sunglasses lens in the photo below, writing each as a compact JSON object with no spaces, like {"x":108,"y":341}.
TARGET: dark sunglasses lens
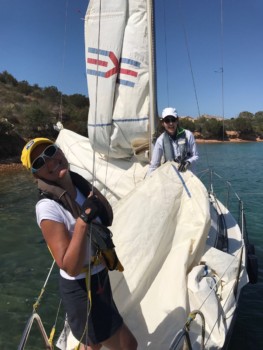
{"x":38,"y":163}
{"x":170,"y":119}
{"x":50,"y":151}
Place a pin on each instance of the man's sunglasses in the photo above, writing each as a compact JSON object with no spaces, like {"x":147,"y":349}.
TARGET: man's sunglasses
{"x":40,"y":161}
{"x":170,"y":119}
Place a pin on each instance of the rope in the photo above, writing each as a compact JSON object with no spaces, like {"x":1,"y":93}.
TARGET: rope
{"x":37,"y":303}
{"x":191,"y":317}
{"x":35,"y":316}
{"x":53,"y":330}
{"x":166,"y":59}
{"x":222,"y":68}
{"x":96,"y":104}
{"x":60,"y":117}
{"x":189,"y":60}
{"x":93,"y":175}
{"x":88,"y":274}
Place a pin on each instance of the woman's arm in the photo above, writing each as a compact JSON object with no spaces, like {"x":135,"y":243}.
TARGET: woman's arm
{"x":69,"y":253}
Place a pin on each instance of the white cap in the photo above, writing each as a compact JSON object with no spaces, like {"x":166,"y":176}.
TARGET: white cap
{"x":169,"y":111}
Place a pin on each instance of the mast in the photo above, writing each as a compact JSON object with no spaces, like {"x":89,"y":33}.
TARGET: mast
{"x":152,"y":75}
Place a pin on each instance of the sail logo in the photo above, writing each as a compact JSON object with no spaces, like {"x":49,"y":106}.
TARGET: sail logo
{"x":125,"y":69}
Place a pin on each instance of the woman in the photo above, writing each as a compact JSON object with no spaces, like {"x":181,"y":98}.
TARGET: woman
{"x":64,"y":214}
{"x":174,"y":144}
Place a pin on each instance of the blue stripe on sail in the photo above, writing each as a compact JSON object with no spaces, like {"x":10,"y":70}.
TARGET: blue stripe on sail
{"x":120,"y":121}
{"x":131,"y":62}
{"x":96,"y":125}
{"x":130,"y":120}
{"x":125,"y":82}
{"x":95,"y":72}
{"x":183,"y":182}
{"x":101,"y":52}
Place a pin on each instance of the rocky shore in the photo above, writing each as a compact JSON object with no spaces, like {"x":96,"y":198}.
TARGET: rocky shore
{"x":13,"y":163}
{"x":5,"y":168}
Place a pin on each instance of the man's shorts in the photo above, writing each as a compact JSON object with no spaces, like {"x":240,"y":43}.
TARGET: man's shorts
{"x":104,"y":318}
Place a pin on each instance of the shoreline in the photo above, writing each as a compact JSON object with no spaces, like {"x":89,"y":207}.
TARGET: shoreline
{"x":226,"y":141}
{"x":9,"y":165}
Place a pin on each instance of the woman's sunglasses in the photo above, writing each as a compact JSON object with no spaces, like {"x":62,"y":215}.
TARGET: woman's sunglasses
{"x":40,"y":161}
{"x":170,"y":120}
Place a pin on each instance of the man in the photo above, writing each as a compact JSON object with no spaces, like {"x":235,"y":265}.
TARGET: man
{"x":65,"y":214}
{"x":174,"y":144}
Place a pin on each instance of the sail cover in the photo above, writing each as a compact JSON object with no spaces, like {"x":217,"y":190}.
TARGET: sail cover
{"x":117,"y":74}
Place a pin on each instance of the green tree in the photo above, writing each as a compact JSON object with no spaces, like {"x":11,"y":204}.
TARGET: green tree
{"x":246,"y":115}
{"x":24,"y":87}
{"x":78,"y":100}
{"x":5,"y":126}
{"x":52,"y":93}
{"x":37,"y":120}
{"x":259,"y":116}
{"x":8,"y":79}
{"x":210,"y":128}
{"x":229,"y":124}
{"x":258,"y":124}
{"x":187,"y":124}
{"x":245,"y":128}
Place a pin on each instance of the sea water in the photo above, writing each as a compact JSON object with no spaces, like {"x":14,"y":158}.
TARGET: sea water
{"x":25,"y":260}
{"x":241,"y":163}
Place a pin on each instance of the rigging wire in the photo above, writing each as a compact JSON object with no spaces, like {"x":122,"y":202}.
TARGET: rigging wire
{"x":96,"y":104}
{"x":60,"y":115}
{"x":88,"y":277}
{"x":189,"y":59}
{"x":166,"y":58}
{"x":222,"y":69}
{"x":182,"y":20}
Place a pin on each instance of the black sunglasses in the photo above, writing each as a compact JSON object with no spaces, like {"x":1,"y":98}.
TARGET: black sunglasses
{"x":170,"y":119}
{"x":40,"y":161}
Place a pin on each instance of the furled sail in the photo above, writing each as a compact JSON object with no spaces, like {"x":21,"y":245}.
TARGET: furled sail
{"x":116,"y":47}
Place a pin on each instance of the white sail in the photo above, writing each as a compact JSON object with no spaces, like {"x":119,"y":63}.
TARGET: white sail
{"x":165,"y":226}
{"x":158,"y":246}
{"x":118,"y":79}
{"x":116,"y":177}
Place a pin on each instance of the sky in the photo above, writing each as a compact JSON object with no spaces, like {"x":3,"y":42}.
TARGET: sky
{"x":209,"y":57}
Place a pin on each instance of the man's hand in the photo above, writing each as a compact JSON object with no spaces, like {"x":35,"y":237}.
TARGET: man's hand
{"x":183,"y":166}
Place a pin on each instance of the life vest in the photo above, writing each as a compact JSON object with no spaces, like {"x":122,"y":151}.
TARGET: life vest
{"x":101,"y":236}
{"x":181,"y":144}
{"x":49,"y":190}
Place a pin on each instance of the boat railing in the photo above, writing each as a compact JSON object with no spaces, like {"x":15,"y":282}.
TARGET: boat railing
{"x":223,"y":190}
{"x":232,"y":201}
{"x":35,"y":318}
{"x":183,"y":334}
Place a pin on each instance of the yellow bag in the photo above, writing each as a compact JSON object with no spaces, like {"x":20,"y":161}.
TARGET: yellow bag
{"x":101,"y":238}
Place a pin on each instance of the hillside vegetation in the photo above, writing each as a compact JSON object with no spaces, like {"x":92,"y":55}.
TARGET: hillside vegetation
{"x":28,"y":111}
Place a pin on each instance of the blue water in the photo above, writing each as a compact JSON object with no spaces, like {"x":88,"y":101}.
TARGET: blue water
{"x":25,"y":261}
{"x":242,"y":165}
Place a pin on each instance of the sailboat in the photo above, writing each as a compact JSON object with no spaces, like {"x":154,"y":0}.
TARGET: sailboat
{"x":185,"y":256}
